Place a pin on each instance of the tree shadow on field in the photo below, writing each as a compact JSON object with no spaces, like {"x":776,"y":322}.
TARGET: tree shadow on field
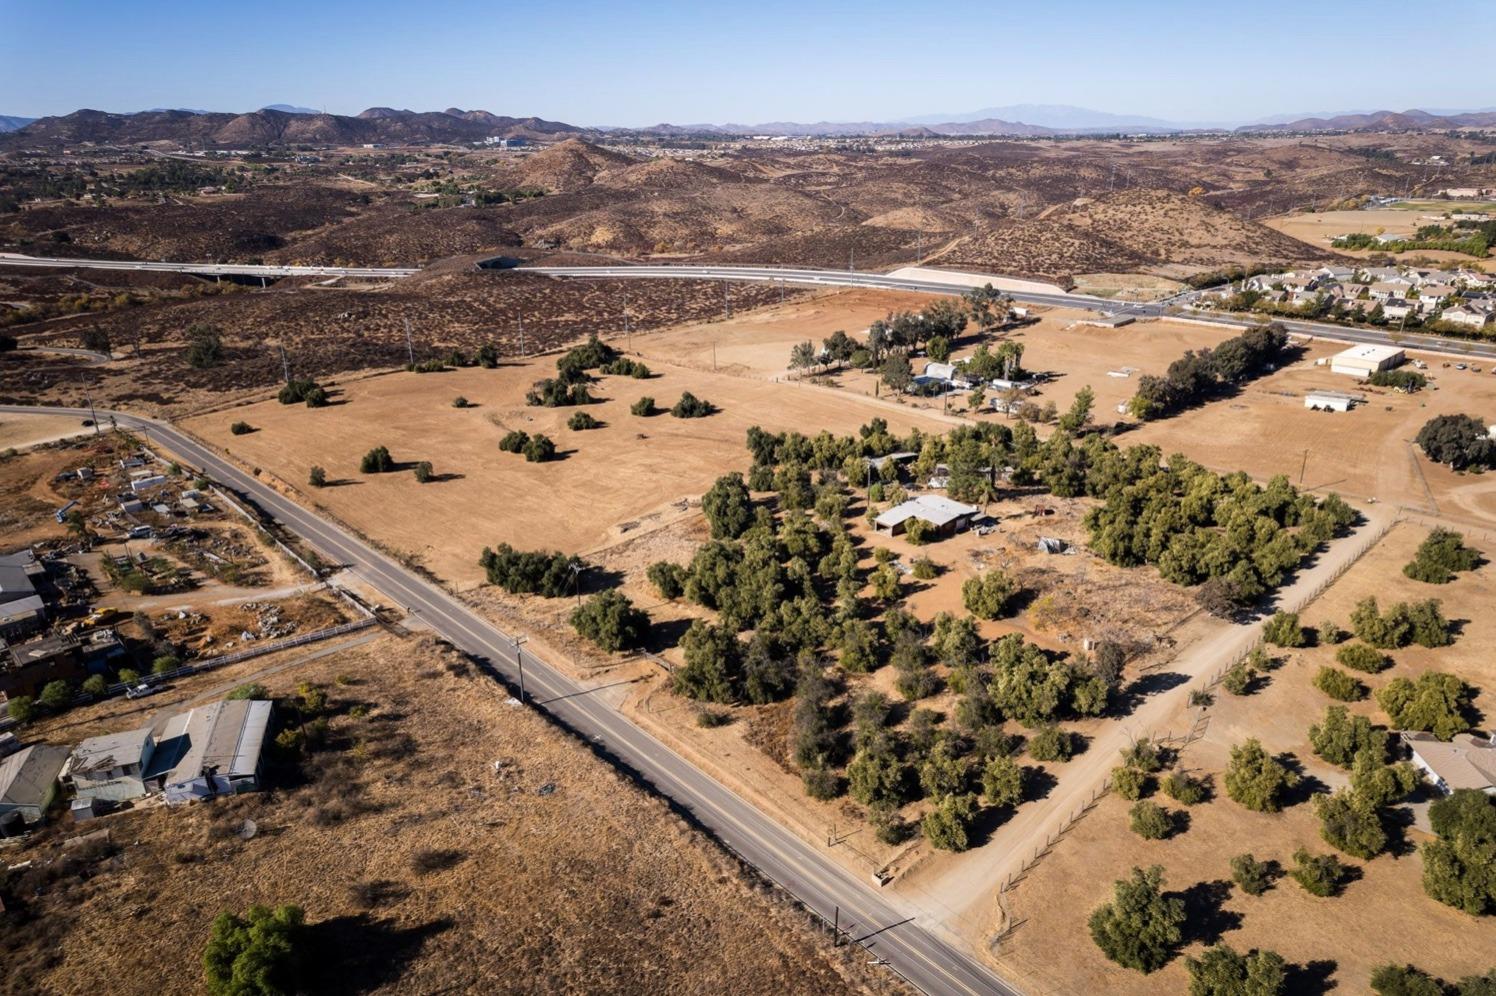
{"x":1153,"y":683}
{"x":1310,"y":978}
{"x":1038,"y":782}
{"x":444,"y":477}
{"x":341,"y":482}
{"x":1206,"y":916}
{"x":358,"y":954}
{"x":1308,"y":787}
{"x":665,"y":634}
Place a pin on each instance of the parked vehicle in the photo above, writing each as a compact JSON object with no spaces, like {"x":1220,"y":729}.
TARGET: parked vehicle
{"x":141,"y":690}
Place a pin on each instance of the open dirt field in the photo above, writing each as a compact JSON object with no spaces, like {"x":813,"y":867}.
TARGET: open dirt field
{"x":1383,"y":917}
{"x":607,"y":476}
{"x":459,"y":848}
{"x":22,"y":431}
{"x":1319,"y":229}
{"x":1366,"y":452}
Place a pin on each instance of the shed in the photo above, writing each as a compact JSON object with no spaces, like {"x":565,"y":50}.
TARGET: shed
{"x":28,"y":784}
{"x":946,"y":516}
{"x":940,"y":371}
{"x":212,"y":750}
{"x":1363,"y":361}
{"x":1465,"y":762}
{"x":111,"y":767}
{"x":1332,"y":401}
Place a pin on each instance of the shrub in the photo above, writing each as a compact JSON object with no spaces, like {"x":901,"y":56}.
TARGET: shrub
{"x":1457,"y":866}
{"x":241,"y":428}
{"x":129,"y":675}
{"x":514,"y":441}
{"x":580,"y":421}
{"x":1252,"y":876}
{"x":1338,"y":685}
{"x":539,"y":449}
{"x":1340,"y":737}
{"x":424,"y":472}
{"x":253,"y":690}
{"x":625,"y":367}
{"x":1051,"y":744}
{"x":1440,"y":557}
{"x":918,"y":531}
{"x":1140,"y":927}
{"x":1238,"y":678}
{"x":644,"y":406}
{"x":261,"y":953}
{"x":55,"y":695}
{"x":1182,"y":788}
{"x":728,"y":507}
{"x":924,"y":569}
{"x":690,"y":406}
{"x":1405,"y":980}
{"x":377,"y":461}
{"x":1002,"y":781}
{"x":610,"y":620}
{"x":1222,"y":971}
{"x":95,"y":685}
{"x":1150,"y":821}
{"x":296,"y":391}
{"x":1360,"y":657}
{"x":21,"y":708}
{"x":204,"y":346}
{"x":1329,"y":633}
{"x":821,"y":783}
{"x":1350,"y":822}
{"x":1283,"y":630}
{"x":988,"y":595}
{"x":1320,"y":874}
{"x":317,"y":477}
{"x":1130,"y":783}
{"x":554,"y":393}
{"x":1256,"y":780}
{"x":461,"y":402}
{"x":668,"y":579}
{"x":165,"y":663}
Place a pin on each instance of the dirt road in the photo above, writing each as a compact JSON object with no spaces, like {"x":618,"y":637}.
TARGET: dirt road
{"x":959,"y":895}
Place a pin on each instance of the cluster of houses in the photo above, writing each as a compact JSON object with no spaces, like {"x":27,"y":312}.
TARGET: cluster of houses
{"x":943,"y":377}
{"x":208,"y":751}
{"x":1461,"y":297}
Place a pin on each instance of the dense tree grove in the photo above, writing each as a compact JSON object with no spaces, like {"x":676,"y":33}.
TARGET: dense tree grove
{"x":570,"y":385}
{"x":1461,"y":441}
{"x":530,"y":573}
{"x":1403,"y":623}
{"x":1341,"y":737}
{"x":1440,"y":557}
{"x":1199,"y":376}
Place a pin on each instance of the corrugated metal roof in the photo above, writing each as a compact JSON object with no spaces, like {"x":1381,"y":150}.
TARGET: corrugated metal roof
{"x":26,"y":777}
{"x":116,"y":750}
{"x":227,"y":736}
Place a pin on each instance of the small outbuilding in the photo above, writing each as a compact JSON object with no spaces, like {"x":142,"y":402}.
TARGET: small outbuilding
{"x":28,"y":784}
{"x":947,"y":517}
{"x":1332,"y":401}
{"x":1363,"y":361}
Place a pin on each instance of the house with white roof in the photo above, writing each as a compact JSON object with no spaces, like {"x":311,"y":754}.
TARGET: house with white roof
{"x":947,"y":517}
{"x":1464,"y":762}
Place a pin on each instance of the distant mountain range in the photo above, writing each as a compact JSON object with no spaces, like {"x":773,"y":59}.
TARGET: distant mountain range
{"x":273,"y":126}
{"x":289,"y":124}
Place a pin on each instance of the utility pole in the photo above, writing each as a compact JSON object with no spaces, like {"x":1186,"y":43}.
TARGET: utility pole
{"x":836,"y":927}
{"x":522,"y":335}
{"x":519,"y":656}
{"x":410,"y":346}
{"x":628,"y":329}
{"x":726,"y":307}
{"x":93,"y":417}
{"x":285,"y":363}
{"x":576,"y":578}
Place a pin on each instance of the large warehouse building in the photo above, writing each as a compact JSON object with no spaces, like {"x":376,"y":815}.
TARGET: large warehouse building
{"x":1363,"y":361}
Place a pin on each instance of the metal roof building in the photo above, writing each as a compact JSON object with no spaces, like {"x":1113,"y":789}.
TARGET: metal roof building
{"x":212,"y":750}
{"x":28,"y":784}
{"x":1464,"y":762}
{"x":945,"y":515}
{"x":1363,"y":361}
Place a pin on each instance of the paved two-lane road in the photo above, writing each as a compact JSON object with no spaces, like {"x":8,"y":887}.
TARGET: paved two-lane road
{"x":805,"y":871}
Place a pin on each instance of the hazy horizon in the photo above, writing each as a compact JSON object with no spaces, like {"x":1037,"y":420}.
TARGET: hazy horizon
{"x":594,"y":64}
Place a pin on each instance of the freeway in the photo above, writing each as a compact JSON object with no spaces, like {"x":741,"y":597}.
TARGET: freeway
{"x":889,"y":929}
{"x":1143,"y":309}
{"x":204,"y":269}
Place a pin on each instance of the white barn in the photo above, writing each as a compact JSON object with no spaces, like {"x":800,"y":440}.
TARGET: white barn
{"x":1363,"y":361}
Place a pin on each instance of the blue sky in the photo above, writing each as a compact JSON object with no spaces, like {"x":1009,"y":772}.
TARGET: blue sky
{"x":635,"y":64}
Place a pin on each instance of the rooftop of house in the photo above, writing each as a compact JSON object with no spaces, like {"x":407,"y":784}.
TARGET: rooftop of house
{"x":226,"y":737}
{"x":1465,"y":762}
{"x":27,"y":775}
{"x":934,"y":509}
{"x":113,"y":750}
